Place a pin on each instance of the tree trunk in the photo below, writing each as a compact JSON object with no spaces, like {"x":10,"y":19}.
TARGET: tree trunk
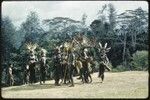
{"x":124,"y":50}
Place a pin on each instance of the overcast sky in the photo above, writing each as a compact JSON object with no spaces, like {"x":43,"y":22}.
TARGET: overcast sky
{"x":18,"y":10}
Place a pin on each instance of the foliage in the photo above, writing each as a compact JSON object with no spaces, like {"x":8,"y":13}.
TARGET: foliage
{"x":84,"y":17}
{"x":119,"y":68}
{"x":8,"y":31}
{"x":140,"y":60}
{"x":32,"y":28}
{"x":135,"y":24}
{"x":112,"y":16}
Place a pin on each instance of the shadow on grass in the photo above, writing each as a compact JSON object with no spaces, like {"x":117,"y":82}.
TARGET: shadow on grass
{"x":46,"y":86}
{"x":33,"y":87}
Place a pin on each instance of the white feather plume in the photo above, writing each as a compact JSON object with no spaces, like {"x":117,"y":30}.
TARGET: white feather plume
{"x":105,"y":46}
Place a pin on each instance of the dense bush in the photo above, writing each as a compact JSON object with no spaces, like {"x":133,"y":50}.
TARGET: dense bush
{"x":140,"y":60}
{"x":119,"y":68}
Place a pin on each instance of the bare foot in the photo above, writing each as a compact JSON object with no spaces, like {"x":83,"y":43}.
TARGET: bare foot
{"x":71,"y":85}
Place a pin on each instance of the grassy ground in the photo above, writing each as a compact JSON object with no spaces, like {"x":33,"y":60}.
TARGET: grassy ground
{"x":130,"y":84}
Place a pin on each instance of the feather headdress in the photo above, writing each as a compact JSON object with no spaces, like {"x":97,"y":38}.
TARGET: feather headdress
{"x":105,"y":47}
{"x":31,"y":47}
{"x":43,"y":50}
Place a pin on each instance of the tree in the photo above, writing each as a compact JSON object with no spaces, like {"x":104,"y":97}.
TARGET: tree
{"x":61,"y":28}
{"x":84,"y":17}
{"x":83,"y":22}
{"x":136,"y":23}
{"x":134,"y":29}
{"x":32,"y":28}
{"x":101,"y":14}
{"x":8,"y":33}
{"x":9,"y":54}
{"x":112,"y":16}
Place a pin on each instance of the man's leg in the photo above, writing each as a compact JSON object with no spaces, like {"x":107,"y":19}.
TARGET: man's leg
{"x":44,"y":76}
{"x":101,"y":72}
{"x":102,"y":77}
{"x":30,"y":77}
{"x":86,"y":74}
{"x":12,"y":80}
{"x":34,"y":78}
{"x":71,"y":75}
{"x":89,"y":76}
{"x":80,"y":74}
{"x":56,"y":79}
{"x":57,"y":76}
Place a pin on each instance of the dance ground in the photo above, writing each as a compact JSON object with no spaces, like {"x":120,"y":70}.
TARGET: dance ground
{"x":128,"y":84}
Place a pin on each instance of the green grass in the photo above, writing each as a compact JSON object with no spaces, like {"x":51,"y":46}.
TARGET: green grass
{"x":129,"y":84}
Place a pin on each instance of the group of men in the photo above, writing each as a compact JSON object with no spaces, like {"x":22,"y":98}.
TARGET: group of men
{"x":66,"y":65}
{"x":31,"y":69}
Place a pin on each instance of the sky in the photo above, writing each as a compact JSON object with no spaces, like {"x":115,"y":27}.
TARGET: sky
{"x":18,"y":10}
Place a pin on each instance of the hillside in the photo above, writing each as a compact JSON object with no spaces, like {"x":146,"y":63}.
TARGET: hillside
{"x":130,"y":84}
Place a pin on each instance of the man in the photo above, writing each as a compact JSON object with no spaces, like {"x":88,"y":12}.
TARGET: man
{"x":86,"y":65}
{"x":26,"y":74}
{"x":43,"y":66}
{"x":10,"y":75}
{"x":57,"y":66}
{"x":32,"y":60}
{"x":104,"y":61}
{"x":79,"y":68}
{"x":71,"y":59}
{"x":103,"y":64}
{"x":68,"y":48}
{"x":64,"y":69}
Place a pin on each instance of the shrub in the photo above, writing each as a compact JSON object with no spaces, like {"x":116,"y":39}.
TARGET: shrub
{"x":140,"y":60}
{"x":119,"y":68}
